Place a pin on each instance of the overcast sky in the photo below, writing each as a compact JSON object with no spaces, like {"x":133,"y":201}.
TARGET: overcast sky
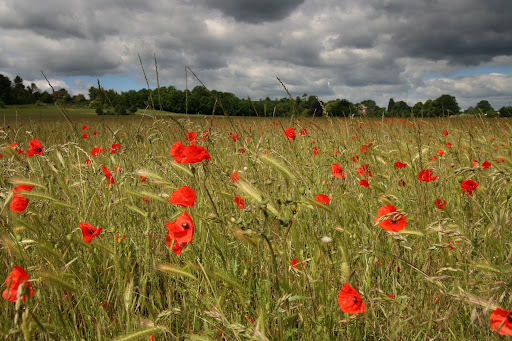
{"x":409,"y":50}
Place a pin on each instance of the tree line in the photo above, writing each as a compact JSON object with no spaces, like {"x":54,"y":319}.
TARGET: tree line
{"x":199,"y":100}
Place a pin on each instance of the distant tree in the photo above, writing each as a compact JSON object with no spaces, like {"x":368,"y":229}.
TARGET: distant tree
{"x":315,"y":108}
{"x":506,"y":111}
{"x":445,"y":105}
{"x":485,"y":106}
{"x":371,"y":107}
{"x":391,"y":105}
{"x":46,"y":97}
{"x":78,"y":98}
{"x":132,"y":109}
{"x":417,"y":109}
{"x":5,"y":89}
{"x":401,"y":108}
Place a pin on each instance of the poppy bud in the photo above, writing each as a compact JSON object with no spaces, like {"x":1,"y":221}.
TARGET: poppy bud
{"x":460,"y":178}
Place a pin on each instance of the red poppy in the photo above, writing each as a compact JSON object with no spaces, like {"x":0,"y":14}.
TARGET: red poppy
{"x":364,"y":183}
{"x":350,"y":301}
{"x":205,"y":135}
{"x":191,"y":136}
{"x":303,"y":132}
{"x":143,"y":178}
{"x":177,"y":247}
{"x":440,"y":203}
{"x":323,"y":199}
{"x":89,"y":232}
{"x":35,"y":148}
{"x":85,"y":136}
{"x":486,"y":165}
{"x":426,"y":175}
{"x":182,"y":230}
{"x":234,"y":136}
{"x":85,"y":127}
{"x":474,"y":163}
{"x":399,"y":164}
{"x":19,"y":203}
{"x":440,"y":152}
{"x":235,"y":177}
{"x":395,"y":221}
{"x":468,"y":186}
{"x":18,"y":276}
{"x":445,"y":133}
{"x":115,"y":147}
{"x":183,"y":196}
{"x":108,"y":175}
{"x":401,"y":183}
{"x":294,"y":263}
{"x":290,"y":133}
{"x":501,"y":321}
{"x":364,"y":171}
{"x":315,"y":151}
{"x":337,"y":171}
{"x":239,"y":201}
{"x":188,"y":154}
{"x":96,"y":151}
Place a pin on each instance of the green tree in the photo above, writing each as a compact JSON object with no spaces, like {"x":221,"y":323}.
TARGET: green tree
{"x":391,"y":105}
{"x":5,"y":89}
{"x":445,"y":105}
{"x":506,"y":111}
{"x":485,"y":106}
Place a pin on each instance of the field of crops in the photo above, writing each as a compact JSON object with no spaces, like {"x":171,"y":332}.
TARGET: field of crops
{"x":207,"y":228}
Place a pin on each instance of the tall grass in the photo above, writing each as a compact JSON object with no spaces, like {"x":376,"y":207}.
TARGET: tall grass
{"x":439,"y":278}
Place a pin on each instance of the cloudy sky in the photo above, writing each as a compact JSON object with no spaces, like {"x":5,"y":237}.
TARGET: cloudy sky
{"x":409,"y":50}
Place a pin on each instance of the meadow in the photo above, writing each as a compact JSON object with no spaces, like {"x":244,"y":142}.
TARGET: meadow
{"x":298,"y":229}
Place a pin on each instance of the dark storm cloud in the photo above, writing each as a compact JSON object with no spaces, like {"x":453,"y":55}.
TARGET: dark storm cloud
{"x":250,"y":11}
{"x":464,"y":32}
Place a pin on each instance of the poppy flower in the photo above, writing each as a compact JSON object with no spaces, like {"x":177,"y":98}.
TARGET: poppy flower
{"x":108,"y":175}
{"x":364,"y":183}
{"x":85,"y":127}
{"x":177,"y":247}
{"x":85,"y":136}
{"x":315,"y":151}
{"x":239,"y":201}
{"x":445,"y":133}
{"x":396,"y":221}
{"x":440,"y":152}
{"x":18,"y":276}
{"x":19,"y":203}
{"x":350,"y":301}
{"x":501,"y":321}
{"x":303,"y":132}
{"x":183,"y":196}
{"x":96,"y":151}
{"x":337,"y":171}
{"x":468,"y":186}
{"x":440,"y":203}
{"x":290,"y":133}
{"x":399,"y":164}
{"x":364,"y":171}
{"x":426,"y":175}
{"x":204,"y":135}
{"x":188,"y":154}
{"x":486,"y":165}
{"x":294,"y":263}
{"x":89,"y":232}
{"x":191,"y":136}
{"x":35,"y":148}
{"x":235,"y":177}
{"x":183,"y":229}
{"x":323,"y":199}
{"x":115,"y":147}
{"x":143,"y":178}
